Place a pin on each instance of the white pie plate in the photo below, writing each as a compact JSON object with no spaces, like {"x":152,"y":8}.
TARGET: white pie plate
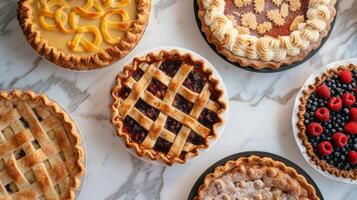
{"x":225,"y":114}
{"x":295,"y":119}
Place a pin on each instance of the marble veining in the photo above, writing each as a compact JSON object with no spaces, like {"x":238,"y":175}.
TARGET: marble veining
{"x":264,"y":99}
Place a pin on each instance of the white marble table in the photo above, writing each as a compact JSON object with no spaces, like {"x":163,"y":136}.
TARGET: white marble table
{"x":260,"y":104}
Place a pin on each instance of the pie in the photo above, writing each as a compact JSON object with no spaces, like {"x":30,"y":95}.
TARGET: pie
{"x":266,"y":33}
{"x":328,"y":121}
{"x":167,"y":106}
{"x":255,"y":178}
{"x":40,"y":148}
{"x":83,"y":34}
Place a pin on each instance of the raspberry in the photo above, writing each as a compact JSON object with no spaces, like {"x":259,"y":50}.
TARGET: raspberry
{"x":345,"y":76}
{"x":348,"y":99}
{"x":353,"y":114}
{"x":339,"y":139}
{"x":315,"y":129}
{"x":323,"y":114}
{"x":351,"y":128}
{"x":323,"y":91}
{"x":335,"y":104}
{"x":352,"y":157}
{"x":325,"y":148}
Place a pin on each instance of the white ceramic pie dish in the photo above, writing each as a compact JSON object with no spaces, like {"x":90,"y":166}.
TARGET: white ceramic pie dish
{"x":295,"y":119}
{"x":225,"y":114}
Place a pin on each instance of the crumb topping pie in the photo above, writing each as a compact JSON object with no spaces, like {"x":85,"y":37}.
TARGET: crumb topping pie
{"x":83,"y":34}
{"x":41,"y":156}
{"x":328,"y":121}
{"x":255,"y":178}
{"x":266,"y":33}
{"x":167,"y":106}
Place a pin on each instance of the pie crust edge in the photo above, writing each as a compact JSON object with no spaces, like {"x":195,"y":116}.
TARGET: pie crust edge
{"x":259,"y":64}
{"x":151,"y":153}
{"x":18,"y":94}
{"x":98,"y":60}
{"x":352,"y":174}
{"x":266,"y":161}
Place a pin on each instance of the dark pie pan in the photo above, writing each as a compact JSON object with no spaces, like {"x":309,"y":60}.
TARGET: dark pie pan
{"x":265,"y":70}
{"x":223,"y":161}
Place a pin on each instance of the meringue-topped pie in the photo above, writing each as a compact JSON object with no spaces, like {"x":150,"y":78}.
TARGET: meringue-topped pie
{"x":266,"y":33}
{"x":83,"y":34}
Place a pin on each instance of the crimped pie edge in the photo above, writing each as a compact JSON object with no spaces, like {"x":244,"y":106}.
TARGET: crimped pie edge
{"x":352,"y":174}
{"x":18,"y":94}
{"x":259,"y":64}
{"x":266,"y":161}
{"x":81,"y":62}
{"x":152,"y":154}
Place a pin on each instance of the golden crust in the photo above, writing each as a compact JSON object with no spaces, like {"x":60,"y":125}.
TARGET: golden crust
{"x":352,"y":174}
{"x":152,"y":154}
{"x":259,"y":64}
{"x":255,"y":160}
{"x":67,"y":121}
{"x":79,"y":62}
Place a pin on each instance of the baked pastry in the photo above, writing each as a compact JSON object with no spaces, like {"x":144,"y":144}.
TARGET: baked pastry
{"x":255,"y":178}
{"x":167,"y":106}
{"x":266,"y":33}
{"x":83,"y":35}
{"x":327,"y":121}
{"x":40,"y":149}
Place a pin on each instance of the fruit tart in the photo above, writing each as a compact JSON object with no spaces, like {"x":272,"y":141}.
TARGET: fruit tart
{"x":41,"y":155}
{"x":255,"y":178}
{"x":266,"y":33}
{"x":83,"y":34}
{"x":167,"y":106}
{"x":327,"y":121}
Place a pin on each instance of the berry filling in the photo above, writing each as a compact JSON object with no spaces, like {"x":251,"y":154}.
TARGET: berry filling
{"x":195,"y":139}
{"x":148,"y":110}
{"x":136,"y":131}
{"x":182,"y":104}
{"x":137,"y":74}
{"x":124,"y":92}
{"x":352,"y":157}
{"x":162,"y":145}
{"x":173,"y":125}
{"x":170,"y":67}
{"x":208,"y":118}
{"x":157,"y":88}
{"x":195,"y":80}
{"x":331,"y":120}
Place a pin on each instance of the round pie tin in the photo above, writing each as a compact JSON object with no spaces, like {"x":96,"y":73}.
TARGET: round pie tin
{"x":266,"y":70}
{"x":225,"y":114}
{"x":223,"y":161}
{"x":295,"y":119}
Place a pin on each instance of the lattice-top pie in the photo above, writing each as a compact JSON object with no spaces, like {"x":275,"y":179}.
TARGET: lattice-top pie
{"x":83,"y":34}
{"x":266,"y":33}
{"x":167,"y":106}
{"x":40,"y":149}
{"x":255,"y":178}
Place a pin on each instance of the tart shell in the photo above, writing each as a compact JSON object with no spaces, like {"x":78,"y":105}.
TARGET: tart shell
{"x":152,"y":154}
{"x":82,"y":62}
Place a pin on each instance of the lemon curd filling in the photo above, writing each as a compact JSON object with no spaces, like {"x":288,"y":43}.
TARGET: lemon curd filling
{"x":83,"y":26}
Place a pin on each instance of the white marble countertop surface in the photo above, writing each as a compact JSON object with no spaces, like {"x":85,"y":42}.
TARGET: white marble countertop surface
{"x":259,"y":117}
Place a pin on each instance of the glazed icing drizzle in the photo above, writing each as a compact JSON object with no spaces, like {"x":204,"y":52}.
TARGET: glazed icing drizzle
{"x":266,"y":48}
{"x":53,"y":17}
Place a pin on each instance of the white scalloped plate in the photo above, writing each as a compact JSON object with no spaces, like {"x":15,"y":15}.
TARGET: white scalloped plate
{"x":225,"y":114}
{"x":295,"y":119}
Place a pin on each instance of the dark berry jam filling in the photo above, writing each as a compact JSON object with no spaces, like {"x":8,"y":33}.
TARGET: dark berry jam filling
{"x":148,"y":110}
{"x":182,"y":104}
{"x":336,"y":123}
{"x":195,"y":139}
{"x":124,"y":92}
{"x":170,"y":67}
{"x":136,"y":131}
{"x":207,"y":118}
{"x":157,"y":88}
{"x":195,"y":80}
{"x":173,"y":125}
{"x":137,"y":74}
{"x":162,"y":145}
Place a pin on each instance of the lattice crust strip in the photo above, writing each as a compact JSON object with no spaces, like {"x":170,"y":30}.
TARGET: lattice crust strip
{"x":175,"y":86}
{"x":37,"y":158}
